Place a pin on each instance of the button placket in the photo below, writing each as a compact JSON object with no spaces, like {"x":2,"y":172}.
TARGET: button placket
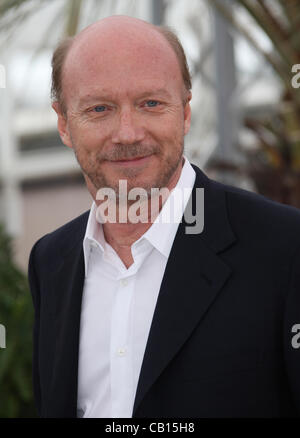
{"x":124,"y":282}
{"x":121,"y":387}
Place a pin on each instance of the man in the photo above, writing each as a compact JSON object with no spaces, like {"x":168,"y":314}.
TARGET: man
{"x":145,"y":319}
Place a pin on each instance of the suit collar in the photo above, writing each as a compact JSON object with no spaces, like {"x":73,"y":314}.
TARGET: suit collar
{"x":189,"y":287}
{"x":217,"y":233}
{"x":66,"y":285}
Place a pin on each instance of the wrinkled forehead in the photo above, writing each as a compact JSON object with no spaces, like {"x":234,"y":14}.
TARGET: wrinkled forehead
{"x":121,"y":58}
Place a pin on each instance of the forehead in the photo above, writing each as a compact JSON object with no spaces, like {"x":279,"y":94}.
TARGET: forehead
{"x":120,"y":62}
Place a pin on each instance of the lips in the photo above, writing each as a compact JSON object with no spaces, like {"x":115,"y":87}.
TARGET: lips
{"x":130,"y":159}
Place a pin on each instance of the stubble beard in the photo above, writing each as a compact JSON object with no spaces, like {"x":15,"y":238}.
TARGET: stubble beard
{"x":91,"y":167}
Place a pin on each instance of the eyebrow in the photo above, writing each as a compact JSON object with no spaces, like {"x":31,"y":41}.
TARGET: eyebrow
{"x":161,"y":91}
{"x":107,"y":97}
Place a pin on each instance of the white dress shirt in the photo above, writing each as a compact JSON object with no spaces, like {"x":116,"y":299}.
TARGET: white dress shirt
{"x":118,"y":305}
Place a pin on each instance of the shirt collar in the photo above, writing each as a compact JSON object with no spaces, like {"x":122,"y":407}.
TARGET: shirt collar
{"x":162,"y":232}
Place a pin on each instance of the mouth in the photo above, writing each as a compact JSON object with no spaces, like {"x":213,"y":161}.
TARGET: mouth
{"x":131,"y":161}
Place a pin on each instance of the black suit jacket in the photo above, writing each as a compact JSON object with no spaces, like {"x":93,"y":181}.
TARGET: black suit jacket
{"x":220,"y":343}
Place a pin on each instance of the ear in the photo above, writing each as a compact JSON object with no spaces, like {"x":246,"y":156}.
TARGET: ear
{"x":187,"y":114}
{"x":62,"y":124}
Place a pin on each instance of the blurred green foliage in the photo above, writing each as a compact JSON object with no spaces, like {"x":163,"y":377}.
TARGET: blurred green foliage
{"x":16,"y":314}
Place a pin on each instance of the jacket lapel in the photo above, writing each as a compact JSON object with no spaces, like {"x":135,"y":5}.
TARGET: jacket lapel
{"x":193,"y":277}
{"x":67,"y":287}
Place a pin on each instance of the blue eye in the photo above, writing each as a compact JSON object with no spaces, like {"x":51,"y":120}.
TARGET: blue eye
{"x":152,"y":103}
{"x":99,"y":108}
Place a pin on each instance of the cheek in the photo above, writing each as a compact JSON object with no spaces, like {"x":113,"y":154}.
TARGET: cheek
{"x":87,"y":137}
{"x":171,"y":132}
{"x":169,"y":123}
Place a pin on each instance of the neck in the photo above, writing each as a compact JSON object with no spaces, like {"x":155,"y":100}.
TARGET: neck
{"x":122,"y":235}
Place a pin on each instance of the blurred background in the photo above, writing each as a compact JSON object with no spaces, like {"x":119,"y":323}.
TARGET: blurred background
{"x":244,"y":56}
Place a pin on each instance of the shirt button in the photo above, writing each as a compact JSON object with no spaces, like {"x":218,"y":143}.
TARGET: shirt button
{"x":94,"y":244}
{"x":124,"y":282}
{"x":121,"y":351}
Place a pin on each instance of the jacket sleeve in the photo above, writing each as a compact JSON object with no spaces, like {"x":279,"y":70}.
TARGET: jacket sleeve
{"x":34,"y":288}
{"x":292,"y":331}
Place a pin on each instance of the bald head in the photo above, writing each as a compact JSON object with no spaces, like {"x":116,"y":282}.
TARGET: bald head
{"x":126,"y":103}
{"x":117,"y":25}
{"x":110,"y":44}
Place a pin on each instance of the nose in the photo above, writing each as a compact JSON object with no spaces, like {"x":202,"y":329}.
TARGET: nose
{"x":128,"y":130}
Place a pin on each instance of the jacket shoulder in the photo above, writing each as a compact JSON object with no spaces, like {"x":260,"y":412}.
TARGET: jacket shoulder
{"x":61,"y":239}
{"x":257,"y":215}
